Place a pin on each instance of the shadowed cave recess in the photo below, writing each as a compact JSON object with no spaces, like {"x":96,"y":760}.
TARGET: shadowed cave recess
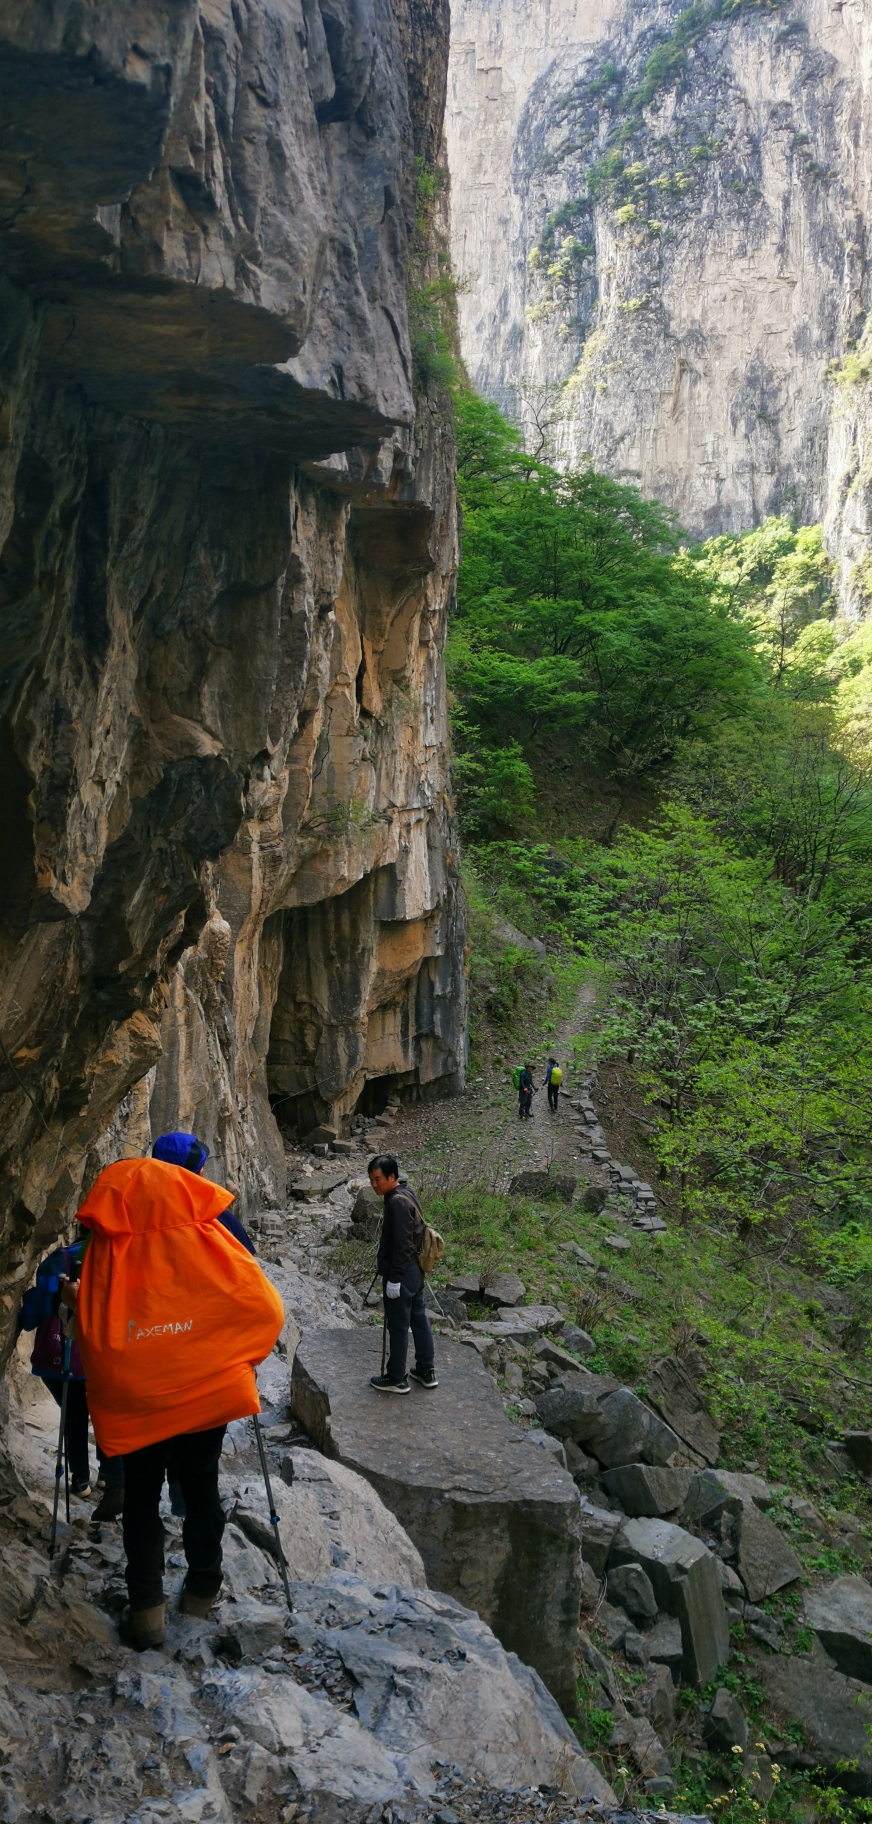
{"x":227,"y":545}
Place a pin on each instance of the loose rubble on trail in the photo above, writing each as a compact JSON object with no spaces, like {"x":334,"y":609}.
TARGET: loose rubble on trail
{"x":380,"y":1698}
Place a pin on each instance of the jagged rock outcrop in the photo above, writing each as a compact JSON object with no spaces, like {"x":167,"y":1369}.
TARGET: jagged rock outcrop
{"x":662,"y":215}
{"x":226,"y":546}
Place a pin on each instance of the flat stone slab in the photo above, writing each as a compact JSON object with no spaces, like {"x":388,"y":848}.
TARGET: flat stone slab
{"x":503,"y":1289}
{"x":536,"y":1317}
{"x":319,"y":1185}
{"x":496,"y":1519}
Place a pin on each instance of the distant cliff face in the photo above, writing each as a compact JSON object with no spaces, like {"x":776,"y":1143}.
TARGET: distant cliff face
{"x":227,"y":540}
{"x":663,"y":213}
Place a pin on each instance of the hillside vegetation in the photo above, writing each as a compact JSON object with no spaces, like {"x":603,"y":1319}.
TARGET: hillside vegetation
{"x":664,"y":772}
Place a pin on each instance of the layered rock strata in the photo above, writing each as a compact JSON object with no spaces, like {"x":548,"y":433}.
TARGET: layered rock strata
{"x":227,"y":540}
{"x":662,"y":216}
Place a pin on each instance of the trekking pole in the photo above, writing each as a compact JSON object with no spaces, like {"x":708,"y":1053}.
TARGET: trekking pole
{"x":273,"y":1516}
{"x":61,"y":1465}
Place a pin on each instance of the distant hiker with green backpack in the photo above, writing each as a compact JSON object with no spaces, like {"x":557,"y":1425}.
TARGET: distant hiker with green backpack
{"x":525,"y":1086}
{"x":553,"y":1080}
{"x":407,"y":1250}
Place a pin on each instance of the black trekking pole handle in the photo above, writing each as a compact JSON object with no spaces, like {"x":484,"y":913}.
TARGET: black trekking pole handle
{"x":273,"y":1516}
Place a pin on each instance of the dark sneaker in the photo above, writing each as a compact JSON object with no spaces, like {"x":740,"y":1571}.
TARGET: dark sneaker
{"x":383,"y":1384}
{"x":426,"y":1377}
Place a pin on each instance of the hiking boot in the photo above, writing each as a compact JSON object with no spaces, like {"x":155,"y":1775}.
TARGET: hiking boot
{"x":80,"y":1486}
{"x":425,"y":1377}
{"x":144,"y":1628}
{"x":201,"y":1606}
{"x":110,"y":1504}
{"x":383,"y":1384}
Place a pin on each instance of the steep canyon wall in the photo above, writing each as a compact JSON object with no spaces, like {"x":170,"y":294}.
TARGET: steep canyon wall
{"x":662,"y":216}
{"x":227,"y":542}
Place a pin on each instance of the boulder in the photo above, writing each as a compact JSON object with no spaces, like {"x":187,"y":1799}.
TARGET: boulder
{"x":630,"y":1587}
{"x":730,"y":1503}
{"x":629,"y":1432}
{"x":663,"y":1642}
{"x":594,"y":1199}
{"x":583,"y":1469}
{"x":765,"y":1562}
{"x":579,"y":1255}
{"x":537,"y":1317}
{"x":657,"y":1696}
{"x":841,"y":1615}
{"x":546,"y":1350}
{"x":495,"y":1518}
{"x":599,"y":1528}
{"x":502,"y":1289}
{"x":444,"y":1304}
{"x":320,"y":1184}
{"x":578,"y":1340}
{"x":647,"y":1490}
{"x":329,"y":1518}
{"x":724,"y":1726}
{"x":674,"y":1392}
{"x":858,"y":1445}
{"x":619,"y":1243}
{"x":543,"y":1184}
{"x":713,"y":1489}
{"x":686,"y":1584}
{"x":571,"y":1409}
{"x":321,"y":1136}
{"x":468,"y":1287}
{"x":366,"y":1215}
{"x":247,"y":1629}
{"x":834,"y":1711}
{"x":430,"y":1680}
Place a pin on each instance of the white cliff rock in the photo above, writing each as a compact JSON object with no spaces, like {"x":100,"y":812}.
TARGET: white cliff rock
{"x":666,"y":258}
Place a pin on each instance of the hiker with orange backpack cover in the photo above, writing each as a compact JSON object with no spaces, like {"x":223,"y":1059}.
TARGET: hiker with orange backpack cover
{"x":173,"y":1313}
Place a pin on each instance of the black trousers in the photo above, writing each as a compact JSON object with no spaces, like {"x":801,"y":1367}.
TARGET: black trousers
{"x":553,"y":1095}
{"x":525,"y":1104}
{"x":76,"y":1436}
{"x":192,"y":1461}
{"x":408,"y":1310}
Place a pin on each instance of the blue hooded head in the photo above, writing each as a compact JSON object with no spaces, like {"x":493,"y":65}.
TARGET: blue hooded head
{"x":181,"y":1149}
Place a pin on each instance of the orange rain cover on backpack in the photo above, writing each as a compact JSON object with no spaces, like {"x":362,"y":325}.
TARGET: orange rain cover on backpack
{"x":173,"y":1311}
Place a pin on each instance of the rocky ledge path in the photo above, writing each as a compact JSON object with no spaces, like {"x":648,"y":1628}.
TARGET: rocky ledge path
{"x":381,"y":1698}
{"x":378,"y":1698}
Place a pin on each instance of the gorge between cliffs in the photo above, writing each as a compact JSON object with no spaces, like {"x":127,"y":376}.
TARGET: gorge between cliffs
{"x":436,"y":722}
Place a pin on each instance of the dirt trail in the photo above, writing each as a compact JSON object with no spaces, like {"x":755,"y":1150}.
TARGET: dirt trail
{"x":479,"y":1136}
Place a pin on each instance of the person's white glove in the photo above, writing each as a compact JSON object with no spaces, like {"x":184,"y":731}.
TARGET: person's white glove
{"x":393,"y":1289}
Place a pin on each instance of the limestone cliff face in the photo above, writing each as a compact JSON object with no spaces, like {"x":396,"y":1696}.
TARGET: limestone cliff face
{"x":667,"y":255}
{"x":227,"y":540}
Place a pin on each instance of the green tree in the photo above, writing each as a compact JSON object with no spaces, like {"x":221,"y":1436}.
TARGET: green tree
{"x":578,"y":611}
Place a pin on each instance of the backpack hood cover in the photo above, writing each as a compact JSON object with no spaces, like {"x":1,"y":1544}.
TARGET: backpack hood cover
{"x":173,"y":1312}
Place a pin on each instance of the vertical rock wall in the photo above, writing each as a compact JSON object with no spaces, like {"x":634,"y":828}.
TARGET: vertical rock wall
{"x":227,"y":541}
{"x":662,"y":214}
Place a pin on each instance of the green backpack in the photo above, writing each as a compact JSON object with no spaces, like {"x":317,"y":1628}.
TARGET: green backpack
{"x":517,"y":1074}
